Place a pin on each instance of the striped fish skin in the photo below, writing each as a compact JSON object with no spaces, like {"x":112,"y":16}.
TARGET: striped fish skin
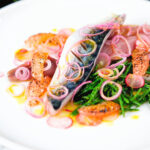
{"x":69,"y":53}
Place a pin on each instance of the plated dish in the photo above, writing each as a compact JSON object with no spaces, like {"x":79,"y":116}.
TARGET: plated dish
{"x":23,"y":20}
{"x":85,"y":76}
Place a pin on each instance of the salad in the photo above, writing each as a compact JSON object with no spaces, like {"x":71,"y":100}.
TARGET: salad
{"x":86,"y":76}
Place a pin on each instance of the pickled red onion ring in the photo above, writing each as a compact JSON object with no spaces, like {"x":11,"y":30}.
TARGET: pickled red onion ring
{"x":101,"y":73}
{"x":61,"y":89}
{"x":90,"y":53}
{"x":105,"y":72}
{"x":115,"y":41}
{"x":103,"y":27}
{"x":118,"y":73}
{"x":103,"y":60}
{"x":118,"y":63}
{"x":83,"y":67}
{"x":134,"y":81}
{"x":22,"y":73}
{"x":87,"y":66}
{"x":79,"y":69}
{"x":62,"y":123}
{"x":88,"y":34}
{"x":140,"y":39}
{"x":114,"y":96}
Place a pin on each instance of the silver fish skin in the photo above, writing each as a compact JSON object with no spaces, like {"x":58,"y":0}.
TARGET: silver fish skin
{"x":69,"y":55}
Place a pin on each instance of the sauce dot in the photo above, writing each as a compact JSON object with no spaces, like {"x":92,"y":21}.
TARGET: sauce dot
{"x":54,"y":30}
{"x":135,"y":117}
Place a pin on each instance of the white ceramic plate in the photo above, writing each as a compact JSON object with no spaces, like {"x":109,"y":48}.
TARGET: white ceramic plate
{"x":20,"y":131}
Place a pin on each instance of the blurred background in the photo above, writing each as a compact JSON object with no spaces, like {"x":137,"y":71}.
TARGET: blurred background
{"x":6,"y":2}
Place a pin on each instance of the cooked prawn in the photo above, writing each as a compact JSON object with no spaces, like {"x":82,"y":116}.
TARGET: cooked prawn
{"x":34,"y":41}
{"x":140,"y":61}
{"x":47,"y":42}
{"x":39,"y":83}
{"x":94,"y":114}
{"x":37,"y":65}
{"x":36,"y":88}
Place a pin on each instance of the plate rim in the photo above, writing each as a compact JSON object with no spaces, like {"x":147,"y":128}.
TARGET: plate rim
{"x":11,"y":6}
{"x":4,"y":142}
